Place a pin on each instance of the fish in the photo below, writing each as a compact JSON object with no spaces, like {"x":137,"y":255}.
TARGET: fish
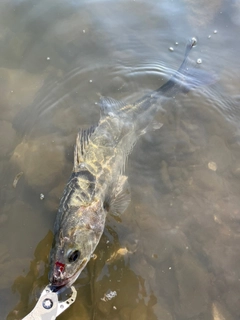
{"x":98,"y":184}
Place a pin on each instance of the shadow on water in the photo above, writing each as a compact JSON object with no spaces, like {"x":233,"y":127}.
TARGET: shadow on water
{"x":175,"y":254}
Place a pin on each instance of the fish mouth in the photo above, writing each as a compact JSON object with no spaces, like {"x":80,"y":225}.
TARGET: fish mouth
{"x":58,"y":284}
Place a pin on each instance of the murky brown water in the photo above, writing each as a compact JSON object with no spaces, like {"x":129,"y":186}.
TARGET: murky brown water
{"x":175,"y":253}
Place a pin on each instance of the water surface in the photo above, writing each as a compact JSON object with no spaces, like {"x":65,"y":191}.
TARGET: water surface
{"x":174,"y":254}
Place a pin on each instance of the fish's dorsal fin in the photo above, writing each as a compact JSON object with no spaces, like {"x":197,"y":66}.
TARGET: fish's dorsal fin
{"x":82,"y":141}
{"x":108,"y":104}
{"x":120,"y":196}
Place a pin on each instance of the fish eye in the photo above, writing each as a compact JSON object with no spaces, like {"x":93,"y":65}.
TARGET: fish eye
{"x":74,"y":256}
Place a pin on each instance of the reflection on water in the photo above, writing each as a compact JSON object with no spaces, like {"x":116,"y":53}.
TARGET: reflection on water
{"x":175,"y":252}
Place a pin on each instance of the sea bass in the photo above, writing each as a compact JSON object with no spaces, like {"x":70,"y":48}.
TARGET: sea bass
{"x":97,"y":184}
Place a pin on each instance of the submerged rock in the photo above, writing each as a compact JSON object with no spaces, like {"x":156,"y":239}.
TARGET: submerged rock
{"x":218,"y":153}
{"x":208,"y":180}
{"x":161,"y":310}
{"x":125,"y":313}
{"x":232,"y":299}
{"x":193,"y":286}
{"x":42,"y":160}
{"x":8,"y":138}
{"x":140,"y":312}
{"x":18,"y":89}
{"x":27,"y":225}
{"x":54,"y":196}
{"x":165,"y":176}
{"x":212,"y":166}
{"x":236,"y":169}
{"x":80,"y":309}
{"x":219,"y":312}
{"x":10,"y":270}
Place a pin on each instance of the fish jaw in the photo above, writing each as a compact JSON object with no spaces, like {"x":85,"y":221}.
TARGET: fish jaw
{"x":59,"y":280}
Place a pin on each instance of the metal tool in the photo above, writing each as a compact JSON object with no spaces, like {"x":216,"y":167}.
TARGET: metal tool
{"x":51,"y":304}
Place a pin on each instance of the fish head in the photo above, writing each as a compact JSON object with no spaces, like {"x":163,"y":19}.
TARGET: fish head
{"x":74,"y":244}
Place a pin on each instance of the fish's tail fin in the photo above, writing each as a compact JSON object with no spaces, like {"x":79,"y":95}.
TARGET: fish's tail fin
{"x":186,"y":77}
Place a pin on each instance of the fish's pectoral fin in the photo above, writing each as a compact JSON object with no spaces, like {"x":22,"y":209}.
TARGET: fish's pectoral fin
{"x":119,"y":198}
{"x":156,"y":125}
{"x":108,"y":104}
{"x":82,"y":141}
{"x":152,"y":126}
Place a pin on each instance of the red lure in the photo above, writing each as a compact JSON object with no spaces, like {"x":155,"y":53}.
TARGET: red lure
{"x":60,"y":266}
